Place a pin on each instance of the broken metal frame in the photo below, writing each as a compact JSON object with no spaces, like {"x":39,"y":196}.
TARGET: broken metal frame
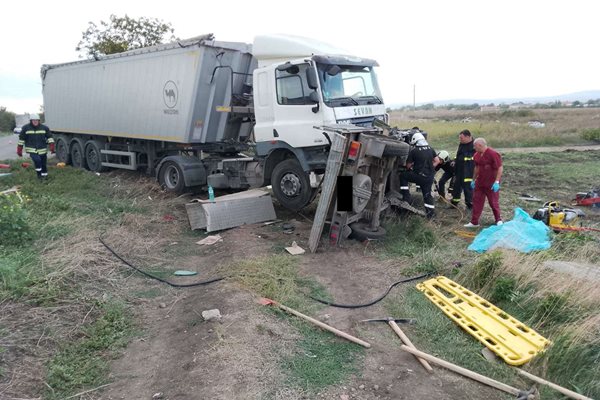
{"x":378,"y":168}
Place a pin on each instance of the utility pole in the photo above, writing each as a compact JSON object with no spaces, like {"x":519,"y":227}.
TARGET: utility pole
{"x":414,"y":96}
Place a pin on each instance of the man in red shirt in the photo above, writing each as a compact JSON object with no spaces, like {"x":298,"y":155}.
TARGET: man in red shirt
{"x":486,"y":181}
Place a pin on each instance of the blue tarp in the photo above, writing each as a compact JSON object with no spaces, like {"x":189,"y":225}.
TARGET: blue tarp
{"x":522,"y":233}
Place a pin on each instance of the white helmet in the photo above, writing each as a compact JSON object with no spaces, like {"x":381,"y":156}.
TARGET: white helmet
{"x":416,"y":137}
{"x":34,"y":117}
{"x":444,"y":156}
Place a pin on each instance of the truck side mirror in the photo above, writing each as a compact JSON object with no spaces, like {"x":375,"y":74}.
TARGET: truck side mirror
{"x":316,"y":99}
{"x":311,"y":78}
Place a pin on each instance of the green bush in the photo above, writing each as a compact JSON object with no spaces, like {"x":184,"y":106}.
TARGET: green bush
{"x":591,"y":134}
{"x":13,"y":220}
{"x":486,"y":267}
{"x":504,"y":289}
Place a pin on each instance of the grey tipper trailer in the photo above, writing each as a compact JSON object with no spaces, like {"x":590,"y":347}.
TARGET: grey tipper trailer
{"x":157,"y":108}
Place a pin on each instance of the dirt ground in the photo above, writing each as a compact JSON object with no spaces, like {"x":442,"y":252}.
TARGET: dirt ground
{"x":180,"y":356}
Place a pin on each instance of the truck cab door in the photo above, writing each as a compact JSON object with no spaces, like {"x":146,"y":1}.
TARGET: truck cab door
{"x":290,"y":113}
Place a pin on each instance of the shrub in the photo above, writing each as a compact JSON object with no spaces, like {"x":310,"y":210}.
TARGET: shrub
{"x":591,"y":134}
{"x":504,"y":289}
{"x":486,"y":267}
{"x":13,"y":220}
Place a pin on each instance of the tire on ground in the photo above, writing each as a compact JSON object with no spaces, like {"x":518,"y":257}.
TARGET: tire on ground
{"x":171,"y":178}
{"x":291,"y":185}
{"x":62,"y":149}
{"x":77,"y":155}
{"x":93,"y":157}
{"x":362,"y":232}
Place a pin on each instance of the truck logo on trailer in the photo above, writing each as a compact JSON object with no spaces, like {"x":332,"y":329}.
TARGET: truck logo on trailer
{"x":170,"y":95}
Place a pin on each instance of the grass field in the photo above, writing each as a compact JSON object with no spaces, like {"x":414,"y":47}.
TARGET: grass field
{"x":508,"y":128}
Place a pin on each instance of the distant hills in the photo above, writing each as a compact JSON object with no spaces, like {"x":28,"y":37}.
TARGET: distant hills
{"x":577,"y":96}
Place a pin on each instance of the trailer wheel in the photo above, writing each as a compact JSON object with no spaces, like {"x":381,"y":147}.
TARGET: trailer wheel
{"x":171,"y":177}
{"x":62,"y":150}
{"x":291,"y":185}
{"x":77,"y":155}
{"x":362,"y":232}
{"x":93,"y":157}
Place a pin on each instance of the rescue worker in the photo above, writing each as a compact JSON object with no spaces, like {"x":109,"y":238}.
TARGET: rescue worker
{"x":420,"y":165}
{"x":448,"y":167}
{"x":463,"y":169}
{"x":36,"y":138}
{"x":486,"y":181}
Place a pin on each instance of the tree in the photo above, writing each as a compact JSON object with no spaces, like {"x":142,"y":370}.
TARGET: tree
{"x":121,"y":34}
{"x":7,"y":120}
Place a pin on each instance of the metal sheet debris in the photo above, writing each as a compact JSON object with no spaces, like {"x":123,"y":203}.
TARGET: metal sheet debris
{"x":231,"y":210}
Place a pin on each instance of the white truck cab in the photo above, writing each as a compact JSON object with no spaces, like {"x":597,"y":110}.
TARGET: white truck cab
{"x":299,"y":85}
{"x":317,"y":87}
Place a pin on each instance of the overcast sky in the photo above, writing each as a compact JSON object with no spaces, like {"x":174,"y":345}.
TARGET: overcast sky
{"x":448,"y":49}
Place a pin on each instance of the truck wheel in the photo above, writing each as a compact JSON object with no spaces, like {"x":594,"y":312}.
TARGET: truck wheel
{"x":171,"y":177}
{"x":291,"y":185}
{"x":77,"y":155}
{"x":399,"y":149}
{"x":362,"y":232}
{"x":62,"y":150}
{"x":93,"y":157}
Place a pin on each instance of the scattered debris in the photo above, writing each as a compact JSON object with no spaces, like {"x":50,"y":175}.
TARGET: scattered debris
{"x":288,"y":227}
{"x":271,"y":222}
{"x":182,"y":272}
{"x":489,"y":355}
{"x":536,"y":124}
{"x":528,"y":197}
{"x":210,"y":315}
{"x":169,"y":218}
{"x":231,"y":210}
{"x":210,"y":240}
{"x":61,"y":165}
{"x":25,"y":165}
{"x":162,"y":305}
{"x":295,"y":249}
{"x":5,"y":175}
{"x":157,"y":396}
{"x":4,"y":166}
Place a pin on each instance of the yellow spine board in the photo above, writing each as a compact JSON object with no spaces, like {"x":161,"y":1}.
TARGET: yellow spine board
{"x":509,"y":338}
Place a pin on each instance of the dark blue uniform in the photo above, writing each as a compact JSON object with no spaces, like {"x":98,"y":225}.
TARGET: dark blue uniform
{"x":35,"y":139}
{"x":422,"y":174}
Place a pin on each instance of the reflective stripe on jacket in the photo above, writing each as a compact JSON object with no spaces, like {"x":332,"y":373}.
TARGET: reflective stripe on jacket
{"x":464,"y":161}
{"x":35,"y":138}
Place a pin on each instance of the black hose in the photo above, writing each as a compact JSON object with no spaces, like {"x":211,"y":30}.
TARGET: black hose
{"x":377,"y":300}
{"x":177,"y":285}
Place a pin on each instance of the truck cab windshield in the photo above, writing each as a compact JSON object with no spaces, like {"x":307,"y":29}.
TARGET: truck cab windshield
{"x":345,"y":85}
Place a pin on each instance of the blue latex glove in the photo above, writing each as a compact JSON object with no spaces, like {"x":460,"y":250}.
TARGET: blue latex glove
{"x":473,"y":185}
{"x":496,"y":187}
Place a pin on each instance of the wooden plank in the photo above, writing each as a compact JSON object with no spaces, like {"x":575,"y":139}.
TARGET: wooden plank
{"x":334,"y":163}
